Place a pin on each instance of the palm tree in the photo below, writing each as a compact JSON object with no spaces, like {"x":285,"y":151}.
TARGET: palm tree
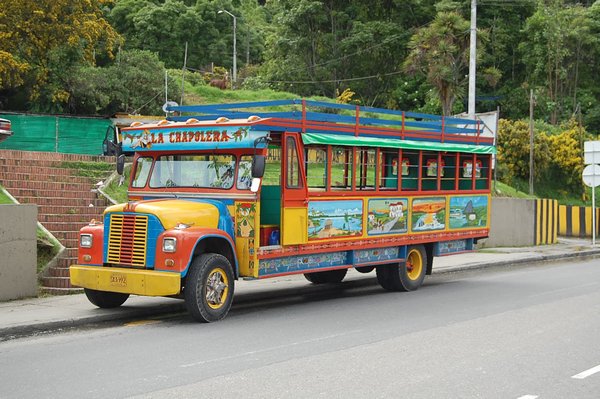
{"x":440,"y":52}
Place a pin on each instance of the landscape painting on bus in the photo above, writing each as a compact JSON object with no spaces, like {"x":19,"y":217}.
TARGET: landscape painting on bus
{"x":327,"y":219}
{"x":387,"y":216}
{"x":428,"y":214}
{"x":470,"y":211}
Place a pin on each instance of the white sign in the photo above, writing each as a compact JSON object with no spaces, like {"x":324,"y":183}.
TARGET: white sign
{"x":591,"y":175}
{"x":591,"y":152}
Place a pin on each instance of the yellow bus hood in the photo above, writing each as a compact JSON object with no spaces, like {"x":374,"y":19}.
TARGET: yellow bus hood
{"x":172,"y":212}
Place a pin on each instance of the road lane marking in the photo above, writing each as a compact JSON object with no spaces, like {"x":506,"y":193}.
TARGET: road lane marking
{"x":587,"y":373}
{"x":527,"y":397}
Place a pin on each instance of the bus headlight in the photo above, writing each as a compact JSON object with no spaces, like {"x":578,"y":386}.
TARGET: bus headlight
{"x":85,"y":240}
{"x":169,"y":244}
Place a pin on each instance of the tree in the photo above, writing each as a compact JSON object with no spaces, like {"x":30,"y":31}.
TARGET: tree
{"x":557,"y":39}
{"x":32,"y":32}
{"x":440,"y":52}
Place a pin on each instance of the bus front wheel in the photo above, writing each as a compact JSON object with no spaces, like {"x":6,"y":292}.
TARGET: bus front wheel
{"x":330,"y":276}
{"x":209,"y":288}
{"x":407,"y":275}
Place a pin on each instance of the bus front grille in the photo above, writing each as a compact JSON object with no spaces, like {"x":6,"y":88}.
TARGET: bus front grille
{"x":127,"y":239}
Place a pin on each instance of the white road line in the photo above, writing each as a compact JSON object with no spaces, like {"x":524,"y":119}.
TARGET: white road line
{"x":527,"y":397}
{"x":587,"y":373}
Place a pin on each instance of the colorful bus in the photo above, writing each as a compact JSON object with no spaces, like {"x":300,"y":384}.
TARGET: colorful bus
{"x":267,"y":189}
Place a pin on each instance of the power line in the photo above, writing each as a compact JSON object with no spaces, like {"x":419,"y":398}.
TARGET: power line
{"x":334,"y":80}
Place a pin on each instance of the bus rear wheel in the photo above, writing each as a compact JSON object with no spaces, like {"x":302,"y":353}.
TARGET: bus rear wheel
{"x":330,"y":276}
{"x":407,"y":275}
{"x":209,"y":288}
{"x":105,"y":299}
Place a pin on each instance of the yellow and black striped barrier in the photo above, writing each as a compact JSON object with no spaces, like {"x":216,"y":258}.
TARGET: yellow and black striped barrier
{"x":546,"y":221}
{"x":576,"y":221}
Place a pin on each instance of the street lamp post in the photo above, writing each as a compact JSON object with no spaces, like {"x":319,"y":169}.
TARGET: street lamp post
{"x":234,"y":77}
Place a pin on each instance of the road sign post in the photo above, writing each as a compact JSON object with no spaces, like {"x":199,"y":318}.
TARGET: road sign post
{"x":591,"y":176}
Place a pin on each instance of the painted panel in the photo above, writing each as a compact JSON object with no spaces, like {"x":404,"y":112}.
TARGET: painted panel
{"x":450,"y":247}
{"x":428,"y":214}
{"x":189,"y":138}
{"x":387,"y":216}
{"x":468,"y":212}
{"x":332,"y":219}
{"x":293,"y":233}
{"x":244,"y":219}
{"x":376,"y":254}
{"x":290,"y":264}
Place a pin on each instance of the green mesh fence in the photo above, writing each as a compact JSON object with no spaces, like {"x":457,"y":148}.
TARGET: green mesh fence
{"x":56,"y":134}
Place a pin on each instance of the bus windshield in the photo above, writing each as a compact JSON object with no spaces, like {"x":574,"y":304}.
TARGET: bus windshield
{"x":202,"y":171}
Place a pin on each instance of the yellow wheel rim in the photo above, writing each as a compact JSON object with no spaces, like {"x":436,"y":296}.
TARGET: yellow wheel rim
{"x":414,"y":264}
{"x":217,"y":288}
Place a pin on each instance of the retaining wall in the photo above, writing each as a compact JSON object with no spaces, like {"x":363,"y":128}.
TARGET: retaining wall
{"x":523,"y":222}
{"x":18,"y":251}
{"x":576,"y":221}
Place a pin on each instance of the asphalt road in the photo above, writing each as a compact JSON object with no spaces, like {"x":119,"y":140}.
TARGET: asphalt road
{"x":523,"y":332}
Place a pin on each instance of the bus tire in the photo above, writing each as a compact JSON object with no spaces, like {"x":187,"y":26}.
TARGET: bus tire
{"x":209,"y":287}
{"x":407,"y":275}
{"x":330,"y":276}
{"x":105,"y":299}
{"x":365,"y":269}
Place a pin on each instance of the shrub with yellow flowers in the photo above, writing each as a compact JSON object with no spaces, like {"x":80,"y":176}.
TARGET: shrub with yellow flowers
{"x":557,"y":152}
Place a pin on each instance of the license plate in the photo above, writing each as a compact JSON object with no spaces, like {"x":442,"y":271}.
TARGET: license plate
{"x":118,"y":280}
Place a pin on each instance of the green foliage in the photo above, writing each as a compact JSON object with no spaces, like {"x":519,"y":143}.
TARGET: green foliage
{"x":34,"y":33}
{"x":440,"y":52}
{"x":558,"y":162}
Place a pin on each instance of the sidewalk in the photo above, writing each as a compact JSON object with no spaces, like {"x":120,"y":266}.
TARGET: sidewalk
{"x":30,"y":316}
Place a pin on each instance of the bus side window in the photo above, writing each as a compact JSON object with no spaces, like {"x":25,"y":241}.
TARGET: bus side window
{"x":316,"y":168}
{"x":429,"y":174}
{"x":410,"y":170}
{"x":388,"y":176}
{"x":448,"y":172}
{"x":293,"y":164}
{"x":366,"y":169}
{"x":342,"y":168}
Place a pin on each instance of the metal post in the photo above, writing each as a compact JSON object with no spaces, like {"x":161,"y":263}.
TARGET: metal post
{"x":472,"y":59}
{"x":234,"y":77}
{"x":594,"y":213}
{"x":531,"y":142}
{"x":166,"y":91}
{"x":234,"y":50}
{"x":183,"y":74}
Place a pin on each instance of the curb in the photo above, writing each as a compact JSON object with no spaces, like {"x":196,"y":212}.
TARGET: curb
{"x":13,"y":332}
{"x":534,"y":259}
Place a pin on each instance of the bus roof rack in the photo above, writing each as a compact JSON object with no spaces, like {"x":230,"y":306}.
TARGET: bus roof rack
{"x":308,"y":116}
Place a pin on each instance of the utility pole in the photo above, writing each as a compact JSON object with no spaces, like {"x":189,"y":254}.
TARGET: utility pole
{"x":183,"y":74}
{"x":472,"y":59}
{"x":531,"y":104}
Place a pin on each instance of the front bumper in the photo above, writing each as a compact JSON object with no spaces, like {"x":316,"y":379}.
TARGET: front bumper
{"x":127,"y":281}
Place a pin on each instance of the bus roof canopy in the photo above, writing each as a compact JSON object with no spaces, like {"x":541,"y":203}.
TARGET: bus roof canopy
{"x":347,"y":140}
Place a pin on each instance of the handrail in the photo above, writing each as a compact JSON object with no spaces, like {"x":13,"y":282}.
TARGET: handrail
{"x":307,"y":115}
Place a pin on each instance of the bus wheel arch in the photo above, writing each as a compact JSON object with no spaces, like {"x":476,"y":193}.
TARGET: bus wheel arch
{"x":217,"y":245}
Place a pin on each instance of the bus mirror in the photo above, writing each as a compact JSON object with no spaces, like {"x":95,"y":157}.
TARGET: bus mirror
{"x":255,"y":185}
{"x":120,"y":164}
{"x":258,"y":166}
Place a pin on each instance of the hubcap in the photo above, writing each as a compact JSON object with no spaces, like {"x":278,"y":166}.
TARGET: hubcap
{"x":414,"y":264}
{"x":217,"y":287}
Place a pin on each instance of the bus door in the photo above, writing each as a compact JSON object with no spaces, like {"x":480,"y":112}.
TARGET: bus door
{"x":294,"y":194}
